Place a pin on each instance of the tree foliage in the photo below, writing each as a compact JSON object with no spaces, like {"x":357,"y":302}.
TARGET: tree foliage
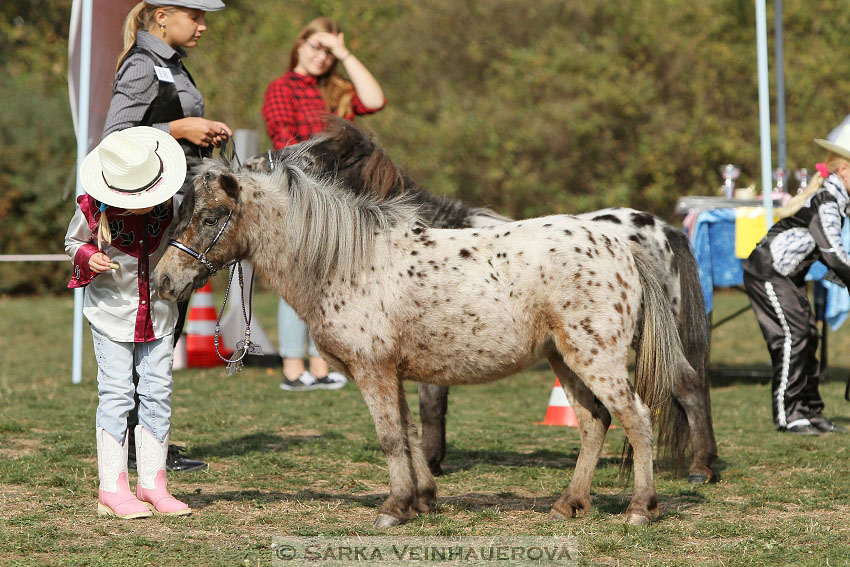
{"x":530,"y":107}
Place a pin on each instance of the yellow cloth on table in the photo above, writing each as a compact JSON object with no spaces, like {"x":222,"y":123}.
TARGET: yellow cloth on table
{"x":749,"y":229}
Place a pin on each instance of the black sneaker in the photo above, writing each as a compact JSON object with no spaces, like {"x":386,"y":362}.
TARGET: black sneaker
{"x":827,"y":426}
{"x":333,"y":381}
{"x":301,"y":384}
{"x":802,"y":429}
{"x":174,"y":460}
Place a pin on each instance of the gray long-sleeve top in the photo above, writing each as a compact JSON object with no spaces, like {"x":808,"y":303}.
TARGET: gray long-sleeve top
{"x":137,"y":85}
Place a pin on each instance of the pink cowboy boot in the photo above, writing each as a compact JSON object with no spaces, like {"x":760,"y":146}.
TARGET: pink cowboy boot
{"x":113,"y":496}
{"x":150,"y":463}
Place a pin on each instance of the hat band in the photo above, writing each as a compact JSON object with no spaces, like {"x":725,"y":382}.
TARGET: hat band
{"x":145,"y":187}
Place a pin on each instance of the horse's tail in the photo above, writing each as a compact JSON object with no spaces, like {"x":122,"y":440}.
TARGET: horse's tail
{"x":695,"y":334}
{"x":658,"y":355}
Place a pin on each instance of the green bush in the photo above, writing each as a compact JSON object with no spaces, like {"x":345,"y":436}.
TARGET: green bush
{"x":530,"y":107}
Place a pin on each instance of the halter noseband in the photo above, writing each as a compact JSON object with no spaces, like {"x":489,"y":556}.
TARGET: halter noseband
{"x":202,"y":256}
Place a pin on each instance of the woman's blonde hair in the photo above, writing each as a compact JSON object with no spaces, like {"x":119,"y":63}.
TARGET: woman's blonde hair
{"x":832,"y":161}
{"x":141,"y":17}
{"x":337,"y":92}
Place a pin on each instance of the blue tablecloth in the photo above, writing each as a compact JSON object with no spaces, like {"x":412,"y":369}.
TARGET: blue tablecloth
{"x":714,"y":248}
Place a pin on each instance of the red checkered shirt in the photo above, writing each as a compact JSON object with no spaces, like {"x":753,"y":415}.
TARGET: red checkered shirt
{"x":294,"y":109}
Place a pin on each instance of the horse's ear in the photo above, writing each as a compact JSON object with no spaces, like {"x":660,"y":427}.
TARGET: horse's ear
{"x":229,"y":184}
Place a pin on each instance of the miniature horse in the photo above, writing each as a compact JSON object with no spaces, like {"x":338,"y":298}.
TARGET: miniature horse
{"x":389,"y":299}
{"x":353,"y":157}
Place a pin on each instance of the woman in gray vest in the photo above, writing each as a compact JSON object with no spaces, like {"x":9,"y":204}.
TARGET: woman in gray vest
{"x":153,"y":88}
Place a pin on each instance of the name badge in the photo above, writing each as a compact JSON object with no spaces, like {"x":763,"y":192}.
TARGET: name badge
{"x":163,"y":74}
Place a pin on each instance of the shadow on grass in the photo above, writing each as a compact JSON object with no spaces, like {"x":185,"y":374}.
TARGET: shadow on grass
{"x":613,"y":504}
{"x":257,"y":442}
{"x":463,"y":459}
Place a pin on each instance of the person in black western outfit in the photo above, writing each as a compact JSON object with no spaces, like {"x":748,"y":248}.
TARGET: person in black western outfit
{"x":774,"y":280}
{"x":153,"y":88}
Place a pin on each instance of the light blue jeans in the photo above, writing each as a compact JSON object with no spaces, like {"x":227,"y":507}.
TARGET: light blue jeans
{"x":293,"y":335}
{"x":115,"y":363}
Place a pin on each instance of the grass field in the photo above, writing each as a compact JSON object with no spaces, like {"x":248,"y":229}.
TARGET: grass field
{"x":309,"y":463}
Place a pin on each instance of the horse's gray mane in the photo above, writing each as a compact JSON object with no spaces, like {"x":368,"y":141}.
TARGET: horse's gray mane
{"x":328,"y":229}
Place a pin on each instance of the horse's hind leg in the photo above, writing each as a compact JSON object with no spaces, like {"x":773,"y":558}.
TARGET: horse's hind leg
{"x":593,"y":420}
{"x":433,"y":404}
{"x":609,"y":382}
{"x":384,"y":396}
{"x":691,"y":391}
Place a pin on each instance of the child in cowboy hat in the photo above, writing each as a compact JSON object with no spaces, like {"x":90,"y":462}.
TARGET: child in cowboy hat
{"x":774,"y":279}
{"x":117,"y":236}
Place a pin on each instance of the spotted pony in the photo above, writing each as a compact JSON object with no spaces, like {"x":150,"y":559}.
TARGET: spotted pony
{"x":390,"y":299}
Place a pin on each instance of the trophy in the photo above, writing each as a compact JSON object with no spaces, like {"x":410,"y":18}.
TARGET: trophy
{"x":779,"y":176}
{"x":802,"y":175}
{"x":729,"y":173}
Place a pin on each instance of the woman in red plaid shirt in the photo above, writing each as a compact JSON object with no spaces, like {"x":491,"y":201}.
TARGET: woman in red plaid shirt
{"x":294,"y":108}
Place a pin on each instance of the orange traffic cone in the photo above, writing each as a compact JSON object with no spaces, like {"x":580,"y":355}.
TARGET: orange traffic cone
{"x":559,"y":411}
{"x":200,"y":330}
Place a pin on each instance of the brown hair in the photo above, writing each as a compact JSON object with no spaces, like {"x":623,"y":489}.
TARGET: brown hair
{"x":337,"y":91}
{"x":141,"y":17}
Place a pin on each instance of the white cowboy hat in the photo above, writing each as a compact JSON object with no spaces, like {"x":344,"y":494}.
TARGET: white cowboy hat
{"x":841,"y":145}
{"x":134,"y":168}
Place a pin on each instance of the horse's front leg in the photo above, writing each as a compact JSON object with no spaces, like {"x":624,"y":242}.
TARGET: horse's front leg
{"x":383,"y":394}
{"x":593,"y":420}
{"x":425,"y":486}
{"x":433,"y":404}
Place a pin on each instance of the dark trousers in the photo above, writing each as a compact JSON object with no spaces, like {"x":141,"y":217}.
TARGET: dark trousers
{"x":133,"y":416}
{"x":788,"y":324}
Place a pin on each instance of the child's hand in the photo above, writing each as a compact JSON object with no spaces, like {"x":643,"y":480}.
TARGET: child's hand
{"x":99,"y":262}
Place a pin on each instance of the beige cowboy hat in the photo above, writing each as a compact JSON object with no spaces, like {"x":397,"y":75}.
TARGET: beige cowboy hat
{"x":134,"y":168}
{"x":841,"y":145}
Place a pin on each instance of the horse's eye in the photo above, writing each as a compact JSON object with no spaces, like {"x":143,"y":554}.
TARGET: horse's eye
{"x":210,"y":221}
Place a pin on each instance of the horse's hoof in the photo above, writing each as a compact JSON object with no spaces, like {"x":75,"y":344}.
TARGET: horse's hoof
{"x":386,"y":521}
{"x":637,"y":520}
{"x":556,"y":516}
{"x":698,"y":478}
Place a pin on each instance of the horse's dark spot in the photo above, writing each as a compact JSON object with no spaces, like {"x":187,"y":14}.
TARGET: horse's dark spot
{"x":607,"y":218}
{"x":551,"y":250}
{"x":547,"y":225}
{"x":577,"y":249}
{"x":474,"y":234}
{"x":336,"y":307}
{"x":643,"y":219}
{"x":464,"y":253}
{"x":429,"y":243}
{"x":507,"y":233}
{"x":622,"y":282}
{"x":494,"y":278}
{"x":410,"y":273}
{"x":636,"y":238}
{"x":417,"y":230}
{"x":413,"y":252}
{"x":566,"y":305}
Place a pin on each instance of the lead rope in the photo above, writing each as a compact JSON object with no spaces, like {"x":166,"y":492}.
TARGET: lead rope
{"x":235,"y":364}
